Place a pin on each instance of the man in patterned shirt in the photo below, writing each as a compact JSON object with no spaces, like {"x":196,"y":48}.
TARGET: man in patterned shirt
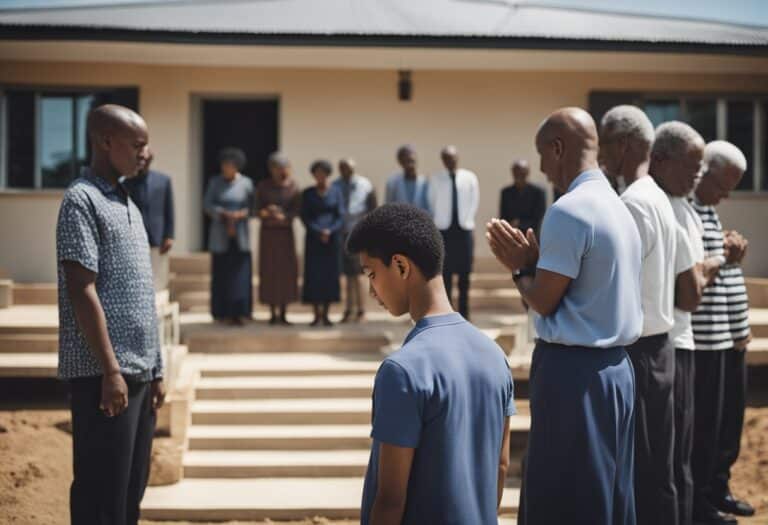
{"x":721,"y":333}
{"x":109,"y":349}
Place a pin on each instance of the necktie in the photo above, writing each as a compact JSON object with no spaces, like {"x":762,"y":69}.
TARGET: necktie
{"x":454,"y":203}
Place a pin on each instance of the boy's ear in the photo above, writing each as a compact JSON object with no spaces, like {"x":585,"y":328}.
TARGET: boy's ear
{"x":403,"y":266}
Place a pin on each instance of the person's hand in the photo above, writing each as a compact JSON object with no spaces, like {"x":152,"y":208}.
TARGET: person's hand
{"x":158,"y":394}
{"x":325,"y":236}
{"x":114,"y":394}
{"x":166,"y":246}
{"x":513,"y":249}
{"x":735,"y":247}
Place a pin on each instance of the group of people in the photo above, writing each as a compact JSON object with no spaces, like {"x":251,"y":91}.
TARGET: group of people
{"x":329,"y":212}
{"x":637,"y":384}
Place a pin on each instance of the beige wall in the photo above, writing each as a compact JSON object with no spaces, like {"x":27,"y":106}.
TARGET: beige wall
{"x":490,"y":116}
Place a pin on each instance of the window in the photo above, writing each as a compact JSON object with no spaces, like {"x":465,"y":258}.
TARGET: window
{"x":45,"y":139}
{"x":740,"y":119}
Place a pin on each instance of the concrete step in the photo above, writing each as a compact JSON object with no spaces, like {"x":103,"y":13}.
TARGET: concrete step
{"x":29,"y":319}
{"x":757,"y":352}
{"x":504,"y":299}
{"x":491,"y":281}
{"x":190,"y":263}
{"x":29,"y":364}
{"x":251,"y":338}
{"x":267,"y":498}
{"x":757,"y":290}
{"x":317,"y":411}
{"x":285,"y":387}
{"x":275,"y":463}
{"x":29,"y":343}
{"x":35,"y":293}
{"x":289,"y":364}
{"x":758,"y":321}
{"x":279,"y":437}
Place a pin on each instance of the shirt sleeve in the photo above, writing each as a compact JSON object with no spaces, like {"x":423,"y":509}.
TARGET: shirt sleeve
{"x":510,"y":409}
{"x":648,"y":234}
{"x":77,"y":234}
{"x":685,"y":258}
{"x":565,"y":240}
{"x":396,"y":407}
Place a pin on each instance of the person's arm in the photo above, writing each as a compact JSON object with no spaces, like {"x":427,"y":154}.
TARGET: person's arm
{"x":209,"y":201}
{"x":689,"y":282}
{"x":389,"y":192}
{"x":370,"y":202}
{"x":474,"y":199}
{"x":169,"y":224}
{"x":308,"y":217}
{"x":504,"y":461}
{"x":392,"y":489}
{"x":339,"y":212}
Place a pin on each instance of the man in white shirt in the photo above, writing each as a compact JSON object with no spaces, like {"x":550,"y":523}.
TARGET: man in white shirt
{"x":454,"y":196}
{"x":626,"y":136}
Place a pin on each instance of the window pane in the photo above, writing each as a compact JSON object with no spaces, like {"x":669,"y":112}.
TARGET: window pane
{"x":21,"y":139}
{"x":84,"y":105}
{"x":56,"y":141}
{"x":702,"y":116}
{"x":660,"y":111}
{"x":741,"y":128}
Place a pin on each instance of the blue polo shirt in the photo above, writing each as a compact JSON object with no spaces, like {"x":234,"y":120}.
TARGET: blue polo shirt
{"x":589,"y":236}
{"x":445,"y":393}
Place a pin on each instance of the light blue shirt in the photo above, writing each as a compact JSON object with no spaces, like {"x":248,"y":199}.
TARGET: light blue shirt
{"x":408,"y":191}
{"x":589,"y":236}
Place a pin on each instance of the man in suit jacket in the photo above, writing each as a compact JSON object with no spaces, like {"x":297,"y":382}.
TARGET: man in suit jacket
{"x":523,"y":204}
{"x":153,"y":194}
{"x":454,"y":196}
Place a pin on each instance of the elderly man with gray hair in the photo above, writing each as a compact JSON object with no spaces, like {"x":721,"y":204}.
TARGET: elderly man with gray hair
{"x":668,"y":279}
{"x":721,"y":333}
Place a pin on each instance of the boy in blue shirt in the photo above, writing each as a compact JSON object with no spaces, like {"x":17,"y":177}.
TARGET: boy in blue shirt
{"x":441,"y":404}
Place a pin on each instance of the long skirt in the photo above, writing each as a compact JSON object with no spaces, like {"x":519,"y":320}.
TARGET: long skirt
{"x":579,"y":468}
{"x":321,"y":270}
{"x":278,"y":267}
{"x":231,"y":286}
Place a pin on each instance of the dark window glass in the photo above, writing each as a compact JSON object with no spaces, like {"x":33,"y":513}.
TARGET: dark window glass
{"x":20,"y":148}
{"x":741,"y":129}
{"x":56,"y":151}
{"x":660,"y":111}
{"x":702,"y":116}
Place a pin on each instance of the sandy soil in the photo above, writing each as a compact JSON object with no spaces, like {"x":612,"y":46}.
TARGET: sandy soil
{"x":36,"y":469}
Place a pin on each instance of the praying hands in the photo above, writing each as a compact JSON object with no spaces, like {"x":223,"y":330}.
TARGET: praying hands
{"x":511,"y":247}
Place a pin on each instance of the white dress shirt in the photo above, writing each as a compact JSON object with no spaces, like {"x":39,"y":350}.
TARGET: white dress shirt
{"x":441,"y":198}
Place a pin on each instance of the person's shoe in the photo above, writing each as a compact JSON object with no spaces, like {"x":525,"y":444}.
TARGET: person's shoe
{"x":316,"y":322}
{"x":347,"y":317}
{"x":360,"y":316}
{"x":238,"y":321}
{"x":285,"y":322}
{"x":712,"y":516}
{"x":274,"y":320}
{"x":731,"y":505}
{"x":327,"y":322}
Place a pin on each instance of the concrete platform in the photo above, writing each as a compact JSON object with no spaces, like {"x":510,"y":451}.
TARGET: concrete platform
{"x":35,"y":294}
{"x":279,"y":437}
{"x":315,"y":411}
{"x":29,"y":319}
{"x":267,"y":498}
{"x":757,"y":352}
{"x":29,"y":364}
{"x":293,"y":364}
{"x":253,"y":338}
{"x":285,"y":387}
{"x":758,"y":320}
{"x":29,"y":343}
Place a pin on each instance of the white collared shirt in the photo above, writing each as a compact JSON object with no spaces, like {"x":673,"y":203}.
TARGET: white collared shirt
{"x":441,"y":198}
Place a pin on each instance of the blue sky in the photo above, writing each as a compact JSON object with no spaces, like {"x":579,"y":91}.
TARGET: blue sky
{"x":752,"y":12}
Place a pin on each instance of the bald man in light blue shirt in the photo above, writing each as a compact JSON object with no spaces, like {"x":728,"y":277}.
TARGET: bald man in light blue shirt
{"x":587,"y":304}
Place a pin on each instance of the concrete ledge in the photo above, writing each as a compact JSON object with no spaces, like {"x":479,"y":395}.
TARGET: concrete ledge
{"x":757,"y":291}
{"x":6,"y":293}
{"x":35,"y":293}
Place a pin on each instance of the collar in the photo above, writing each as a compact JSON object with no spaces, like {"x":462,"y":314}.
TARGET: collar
{"x":586,"y":176}
{"x":104,"y":186}
{"x":432,"y":321}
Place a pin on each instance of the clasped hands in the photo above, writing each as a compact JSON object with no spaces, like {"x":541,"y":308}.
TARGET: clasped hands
{"x":513,"y":248}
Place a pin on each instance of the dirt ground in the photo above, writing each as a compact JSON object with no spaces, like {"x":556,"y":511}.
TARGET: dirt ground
{"x":36,"y":468}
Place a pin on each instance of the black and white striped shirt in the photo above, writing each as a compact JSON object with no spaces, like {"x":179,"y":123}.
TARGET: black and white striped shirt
{"x":723,"y":315}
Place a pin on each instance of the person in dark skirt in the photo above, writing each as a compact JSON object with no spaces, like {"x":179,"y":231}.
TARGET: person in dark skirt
{"x":322,"y":212}
{"x":229,"y":201}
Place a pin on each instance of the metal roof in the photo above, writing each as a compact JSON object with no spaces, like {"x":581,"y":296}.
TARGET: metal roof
{"x":431,"y":23}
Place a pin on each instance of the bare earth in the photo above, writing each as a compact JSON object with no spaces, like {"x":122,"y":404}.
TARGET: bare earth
{"x":36,"y":469}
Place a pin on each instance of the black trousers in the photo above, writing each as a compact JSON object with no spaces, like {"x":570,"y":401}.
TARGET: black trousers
{"x":685,"y":373}
{"x":653,"y":359}
{"x":111,"y":456}
{"x":734,"y":403}
{"x":463,"y":291}
{"x":708,"y":400}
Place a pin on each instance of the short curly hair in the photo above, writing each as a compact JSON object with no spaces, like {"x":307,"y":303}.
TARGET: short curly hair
{"x":400,"y":229}
{"x":234,"y":156}
{"x":322,"y":165}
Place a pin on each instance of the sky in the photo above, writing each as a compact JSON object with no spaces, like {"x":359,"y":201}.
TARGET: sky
{"x":750,"y":12}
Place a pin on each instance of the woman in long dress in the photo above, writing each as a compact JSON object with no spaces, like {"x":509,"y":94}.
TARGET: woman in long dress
{"x":278,"y":201}
{"x":322,"y":212}
{"x":229,"y":203}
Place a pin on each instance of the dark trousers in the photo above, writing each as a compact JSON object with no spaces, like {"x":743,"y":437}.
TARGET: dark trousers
{"x":685,"y":373}
{"x":707,"y":425}
{"x":463,"y":291}
{"x":653,"y":359}
{"x":734,"y":403}
{"x":579,"y":468}
{"x":111,"y":456}
{"x":231,"y":286}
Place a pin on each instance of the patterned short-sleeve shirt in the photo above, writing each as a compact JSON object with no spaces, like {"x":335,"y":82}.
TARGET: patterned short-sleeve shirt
{"x":100,"y":228}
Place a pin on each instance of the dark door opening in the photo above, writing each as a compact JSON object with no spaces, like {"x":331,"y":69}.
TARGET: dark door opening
{"x":250,"y":125}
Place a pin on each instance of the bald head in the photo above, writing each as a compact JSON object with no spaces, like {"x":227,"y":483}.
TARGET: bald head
{"x":520,"y":171}
{"x":347,"y":167}
{"x":568,"y":144}
{"x":119,"y":141}
{"x":450,"y":157}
